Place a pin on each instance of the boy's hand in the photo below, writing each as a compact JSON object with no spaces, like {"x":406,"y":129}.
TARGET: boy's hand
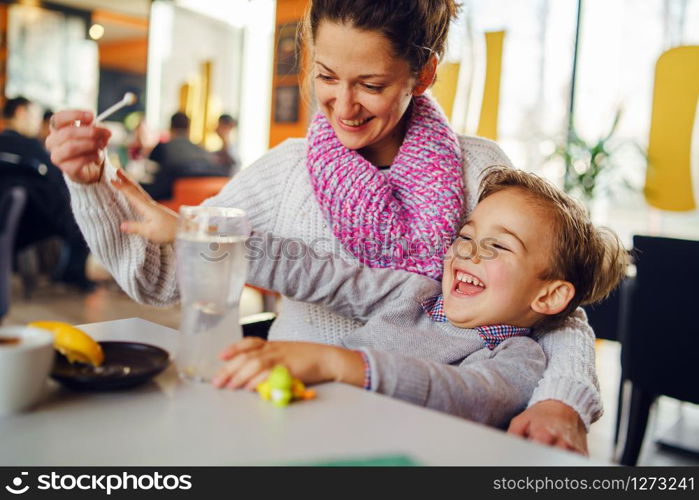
{"x":553,"y":423}
{"x":251,"y":360}
{"x":158,"y":223}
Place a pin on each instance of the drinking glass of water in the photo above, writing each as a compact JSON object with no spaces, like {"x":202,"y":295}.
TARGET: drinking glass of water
{"x":211,"y":269}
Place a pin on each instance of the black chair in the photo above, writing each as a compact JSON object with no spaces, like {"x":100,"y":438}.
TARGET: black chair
{"x":23,"y":172}
{"x":11,"y":206}
{"x":604,"y":317}
{"x":659,"y":335}
{"x":257,"y":325}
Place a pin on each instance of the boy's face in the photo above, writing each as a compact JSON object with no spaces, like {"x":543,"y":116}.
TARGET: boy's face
{"x":502,"y":249}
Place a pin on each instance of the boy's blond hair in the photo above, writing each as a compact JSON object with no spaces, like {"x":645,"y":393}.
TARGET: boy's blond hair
{"x":592,"y":259}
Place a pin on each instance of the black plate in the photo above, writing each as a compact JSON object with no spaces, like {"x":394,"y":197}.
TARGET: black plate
{"x":126,"y":364}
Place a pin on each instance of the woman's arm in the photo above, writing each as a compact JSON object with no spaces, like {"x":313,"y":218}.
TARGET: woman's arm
{"x":570,"y":375}
{"x":145,"y":270}
{"x":567,"y":399}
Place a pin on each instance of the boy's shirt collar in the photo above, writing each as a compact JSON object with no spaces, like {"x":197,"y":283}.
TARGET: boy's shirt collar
{"x":492,"y":335}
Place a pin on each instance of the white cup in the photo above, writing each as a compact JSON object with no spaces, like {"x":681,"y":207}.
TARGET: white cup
{"x":25,"y":363}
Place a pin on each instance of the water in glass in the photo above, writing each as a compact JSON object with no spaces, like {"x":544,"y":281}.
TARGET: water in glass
{"x":211,"y":270}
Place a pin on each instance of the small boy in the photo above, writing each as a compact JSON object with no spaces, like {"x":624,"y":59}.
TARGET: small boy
{"x":526,"y":258}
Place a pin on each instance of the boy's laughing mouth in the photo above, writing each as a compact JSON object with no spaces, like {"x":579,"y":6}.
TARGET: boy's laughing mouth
{"x":466,"y":284}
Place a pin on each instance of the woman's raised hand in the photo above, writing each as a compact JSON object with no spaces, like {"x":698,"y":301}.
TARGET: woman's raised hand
{"x":76,"y":145}
{"x":158,"y":223}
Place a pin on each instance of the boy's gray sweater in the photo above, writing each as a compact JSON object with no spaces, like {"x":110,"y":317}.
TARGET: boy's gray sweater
{"x":411,"y":357}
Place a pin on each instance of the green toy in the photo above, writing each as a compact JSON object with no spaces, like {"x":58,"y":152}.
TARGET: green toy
{"x":281,"y":388}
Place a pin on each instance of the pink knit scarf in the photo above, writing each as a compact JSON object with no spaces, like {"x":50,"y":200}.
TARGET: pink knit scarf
{"x":404,"y":218}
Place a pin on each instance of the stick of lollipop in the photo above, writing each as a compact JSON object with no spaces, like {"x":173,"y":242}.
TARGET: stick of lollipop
{"x":128,"y":99}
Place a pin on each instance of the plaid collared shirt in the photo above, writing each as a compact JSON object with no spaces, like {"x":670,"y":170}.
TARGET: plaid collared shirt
{"x":492,"y":335}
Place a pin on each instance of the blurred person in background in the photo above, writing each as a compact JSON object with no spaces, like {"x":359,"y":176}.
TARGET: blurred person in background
{"x":135,"y":150}
{"x":180,"y":157}
{"x":141,"y":140}
{"x":25,"y":162}
{"x":45,"y":128}
{"x":228,"y":154}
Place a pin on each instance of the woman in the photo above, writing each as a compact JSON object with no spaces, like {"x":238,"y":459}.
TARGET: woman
{"x":380,"y":177}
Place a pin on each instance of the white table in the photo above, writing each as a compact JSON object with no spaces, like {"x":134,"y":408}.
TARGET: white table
{"x":170,"y":422}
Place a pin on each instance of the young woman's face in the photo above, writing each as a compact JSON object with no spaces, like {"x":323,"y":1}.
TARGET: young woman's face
{"x":363,"y":89}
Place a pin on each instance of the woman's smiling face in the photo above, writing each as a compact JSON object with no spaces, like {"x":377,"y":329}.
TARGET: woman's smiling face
{"x":363,"y":89}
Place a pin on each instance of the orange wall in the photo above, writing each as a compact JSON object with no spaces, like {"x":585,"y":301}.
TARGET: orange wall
{"x":129,"y":54}
{"x":288,"y":11}
{"x":125,"y":55}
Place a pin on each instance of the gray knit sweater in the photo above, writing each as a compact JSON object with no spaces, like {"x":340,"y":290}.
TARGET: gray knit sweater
{"x":276,"y":193}
{"x":411,"y":357}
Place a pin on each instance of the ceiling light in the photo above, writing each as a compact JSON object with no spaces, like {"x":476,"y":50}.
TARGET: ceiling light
{"x":96,"y":31}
